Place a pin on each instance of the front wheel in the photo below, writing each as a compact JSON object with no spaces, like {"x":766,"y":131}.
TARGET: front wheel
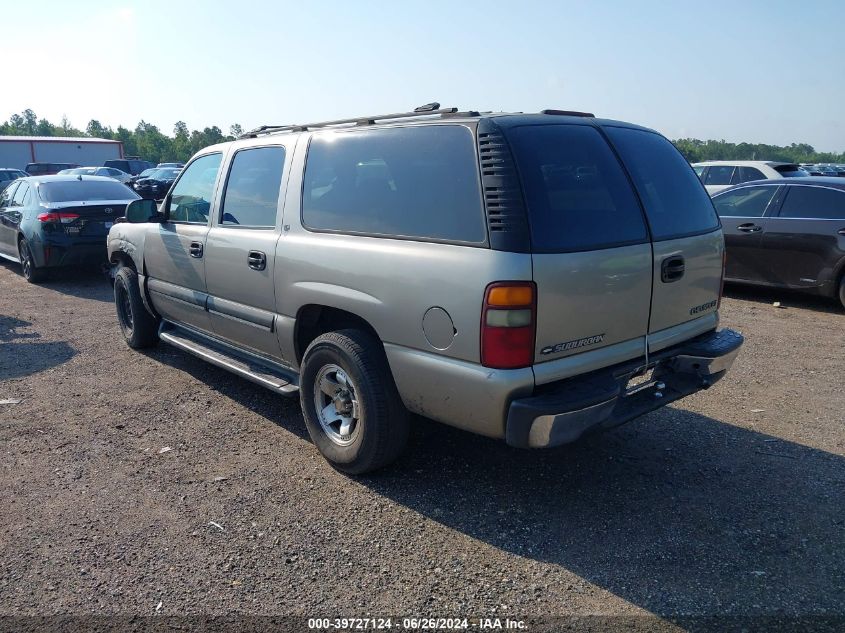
{"x":351,"y":407}
{"x":32,"y":273}
{"x":139,"y":327}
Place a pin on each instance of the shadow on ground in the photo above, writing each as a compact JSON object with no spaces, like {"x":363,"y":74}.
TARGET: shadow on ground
{"x":83,"y":282}
{"x":787,"y":298}
{"x":22,"y":355}
{"x":678,"y":513}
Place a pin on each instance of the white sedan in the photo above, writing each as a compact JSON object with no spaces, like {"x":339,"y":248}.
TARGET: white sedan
{"x":109,"y":172}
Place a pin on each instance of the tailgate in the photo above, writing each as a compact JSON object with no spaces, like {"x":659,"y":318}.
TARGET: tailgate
{"x":686,"y":234}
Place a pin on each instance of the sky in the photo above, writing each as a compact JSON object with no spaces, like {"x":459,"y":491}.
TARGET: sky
{"x":768,"y":71}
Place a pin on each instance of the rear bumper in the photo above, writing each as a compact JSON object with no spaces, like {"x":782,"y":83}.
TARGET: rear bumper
{"x":562,"y":412}
{"x":78,"y":254}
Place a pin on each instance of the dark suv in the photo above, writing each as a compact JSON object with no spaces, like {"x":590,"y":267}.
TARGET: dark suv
{"x":48,"y":169}
{"x":129,"y":165}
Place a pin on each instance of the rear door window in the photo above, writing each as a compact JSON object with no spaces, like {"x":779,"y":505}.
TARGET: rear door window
{"x":675,"y":202}
{"x":252,"y":188}
{"x":719,"y":175}
{"x":577,"y":194}
{"x":746,"y":202}
{"x":414,"y":182}
{"x":21,"y":195}
{"x":747,"y":174}
{"x":814,"y":203}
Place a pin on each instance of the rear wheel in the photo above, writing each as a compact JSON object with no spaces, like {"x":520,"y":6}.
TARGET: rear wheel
{"x":350,"y":403}
{"x":139,"y":327}
{"x":842,"y":291}
{"x":32,"y":273}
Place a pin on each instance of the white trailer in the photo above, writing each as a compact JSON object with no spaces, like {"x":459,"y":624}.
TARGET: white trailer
{"x":19,"y":151}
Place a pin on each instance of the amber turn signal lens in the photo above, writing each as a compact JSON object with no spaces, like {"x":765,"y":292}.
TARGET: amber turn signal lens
{"x":506,"y":296}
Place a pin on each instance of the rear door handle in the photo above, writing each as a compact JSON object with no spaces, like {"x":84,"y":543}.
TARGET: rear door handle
{"x":257,"y":260}
{"x":195,"y":250}
{"x":672,"y":269}
{"x":749,"y":227}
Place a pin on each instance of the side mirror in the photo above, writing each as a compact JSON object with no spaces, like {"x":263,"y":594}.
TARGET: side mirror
{"x":139,"y":211}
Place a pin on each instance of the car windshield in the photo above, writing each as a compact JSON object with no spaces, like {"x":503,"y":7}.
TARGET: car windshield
{"x":76,"y":190}
{"x":164,"y":174}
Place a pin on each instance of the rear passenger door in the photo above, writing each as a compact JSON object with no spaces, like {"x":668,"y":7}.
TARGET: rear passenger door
{"x":174,"y":251}
{"x":806,"y":239}
{"x":743,"y":212}
{"x":241,"y":249}
{"x":686,"y":238}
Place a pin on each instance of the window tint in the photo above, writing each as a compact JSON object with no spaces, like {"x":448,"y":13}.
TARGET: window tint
{"x":8,"y":194}
{"x":252,"y":189}
{"x":746,"y":202}
{"x":814,"y":202}
{"x":416,"y":182}
{"x":699,"y":171}
{"x":675,"y":202}
{"x":719,"y":175}
{"x":21,"y":195}
{"x":77,"y":190}
{"x":190,"y":199}
{"x":577,"y":194}
{"x":747,"y":174}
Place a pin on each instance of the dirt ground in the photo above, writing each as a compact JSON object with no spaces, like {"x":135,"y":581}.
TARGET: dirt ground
{"x":152,"y":483}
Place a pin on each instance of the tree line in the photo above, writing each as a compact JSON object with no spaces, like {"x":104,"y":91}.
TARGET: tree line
{"x":150,"y":143}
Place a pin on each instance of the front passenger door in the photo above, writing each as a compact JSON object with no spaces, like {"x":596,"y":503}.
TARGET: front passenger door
{"x":175,"y":253}
{"x":8,"y":226}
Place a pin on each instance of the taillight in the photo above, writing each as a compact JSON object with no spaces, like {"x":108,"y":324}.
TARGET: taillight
{"x":57,"y":216}
{"x":508,"y":324}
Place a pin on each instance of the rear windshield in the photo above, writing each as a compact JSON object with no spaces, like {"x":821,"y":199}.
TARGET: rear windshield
{"x":675,"y":202}
{"x":77,"y":190}
{"x":577,"y":194}
{"x":791,"y":171}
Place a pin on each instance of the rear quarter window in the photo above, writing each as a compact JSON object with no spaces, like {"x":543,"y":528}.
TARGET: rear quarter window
{"x":676,"y":204}
{"x":577,"y":194}
{"x":415,"y":183}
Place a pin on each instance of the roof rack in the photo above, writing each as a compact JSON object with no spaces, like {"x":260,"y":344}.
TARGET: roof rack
{"x":429,"y":109}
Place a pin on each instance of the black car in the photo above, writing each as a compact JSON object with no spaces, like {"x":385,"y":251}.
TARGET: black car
{"x":50,"y":221}
{"x":788,"y":234}
{"x":157,"y":184}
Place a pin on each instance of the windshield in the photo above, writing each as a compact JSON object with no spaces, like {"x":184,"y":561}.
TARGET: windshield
{"x":74,"y":190}
{"x":164,"y":174}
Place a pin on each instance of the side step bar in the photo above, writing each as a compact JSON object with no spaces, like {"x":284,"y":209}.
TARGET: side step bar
{"x":260,"y":371}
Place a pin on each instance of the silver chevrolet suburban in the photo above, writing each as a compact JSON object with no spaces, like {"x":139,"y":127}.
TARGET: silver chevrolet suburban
{"x":529,"y":277}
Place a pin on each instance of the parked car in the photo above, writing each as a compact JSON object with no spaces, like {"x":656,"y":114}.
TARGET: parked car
{"x":826,"y":170}
{"x":109,"y":172}
{"x":721,"y":174}
{"x":156,"y":185}
{"x":8,"y":176}
{"x":511,"y":275}
{"x":132,"y":166}
{"x":811,"y":170}
{"x":52,"y":221}
{"x":171,"y":165}
{"x":788,"y":234}
{"x":142,"y":175}
{"x":47,"y":169}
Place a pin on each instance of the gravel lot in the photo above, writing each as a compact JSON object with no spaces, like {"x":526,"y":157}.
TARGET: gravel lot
{"x":157,"y":484}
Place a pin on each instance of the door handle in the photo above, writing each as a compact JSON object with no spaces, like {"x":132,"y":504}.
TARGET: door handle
{"x":672,"y":269}
{"x":257,"y":260}
{"x":749,"y":227}
{"x":195,"y":249}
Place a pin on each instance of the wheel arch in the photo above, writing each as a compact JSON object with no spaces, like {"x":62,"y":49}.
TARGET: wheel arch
{"x":314,"y":319}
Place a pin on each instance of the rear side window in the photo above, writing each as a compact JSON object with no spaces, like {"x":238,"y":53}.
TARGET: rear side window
{"x":719,"y":175}
{"x":577,"y":194}
{"x":415,"y":182}
{"x":747,"y":174}
{"x":252,"y":189}
{"x":814,"y":202}
{"x":675,"y":202}
{"x":84,"y":190}
{"x":746,"y":202}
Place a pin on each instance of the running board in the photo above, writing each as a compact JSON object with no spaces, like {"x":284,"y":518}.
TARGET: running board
{"x":262,"y":372}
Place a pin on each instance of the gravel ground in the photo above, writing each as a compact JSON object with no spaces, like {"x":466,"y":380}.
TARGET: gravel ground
{"x":152,"y":483}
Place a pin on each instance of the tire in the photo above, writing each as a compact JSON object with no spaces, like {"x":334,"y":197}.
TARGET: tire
{"x":842,"y":291}
{"x":139,"y":327}
{"x":32,"y":273}
{"x":374,"y":431}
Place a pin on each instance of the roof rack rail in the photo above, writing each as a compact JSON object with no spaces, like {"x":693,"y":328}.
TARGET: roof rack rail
{"x":568,"y":113}
{"x":429,"y":109}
